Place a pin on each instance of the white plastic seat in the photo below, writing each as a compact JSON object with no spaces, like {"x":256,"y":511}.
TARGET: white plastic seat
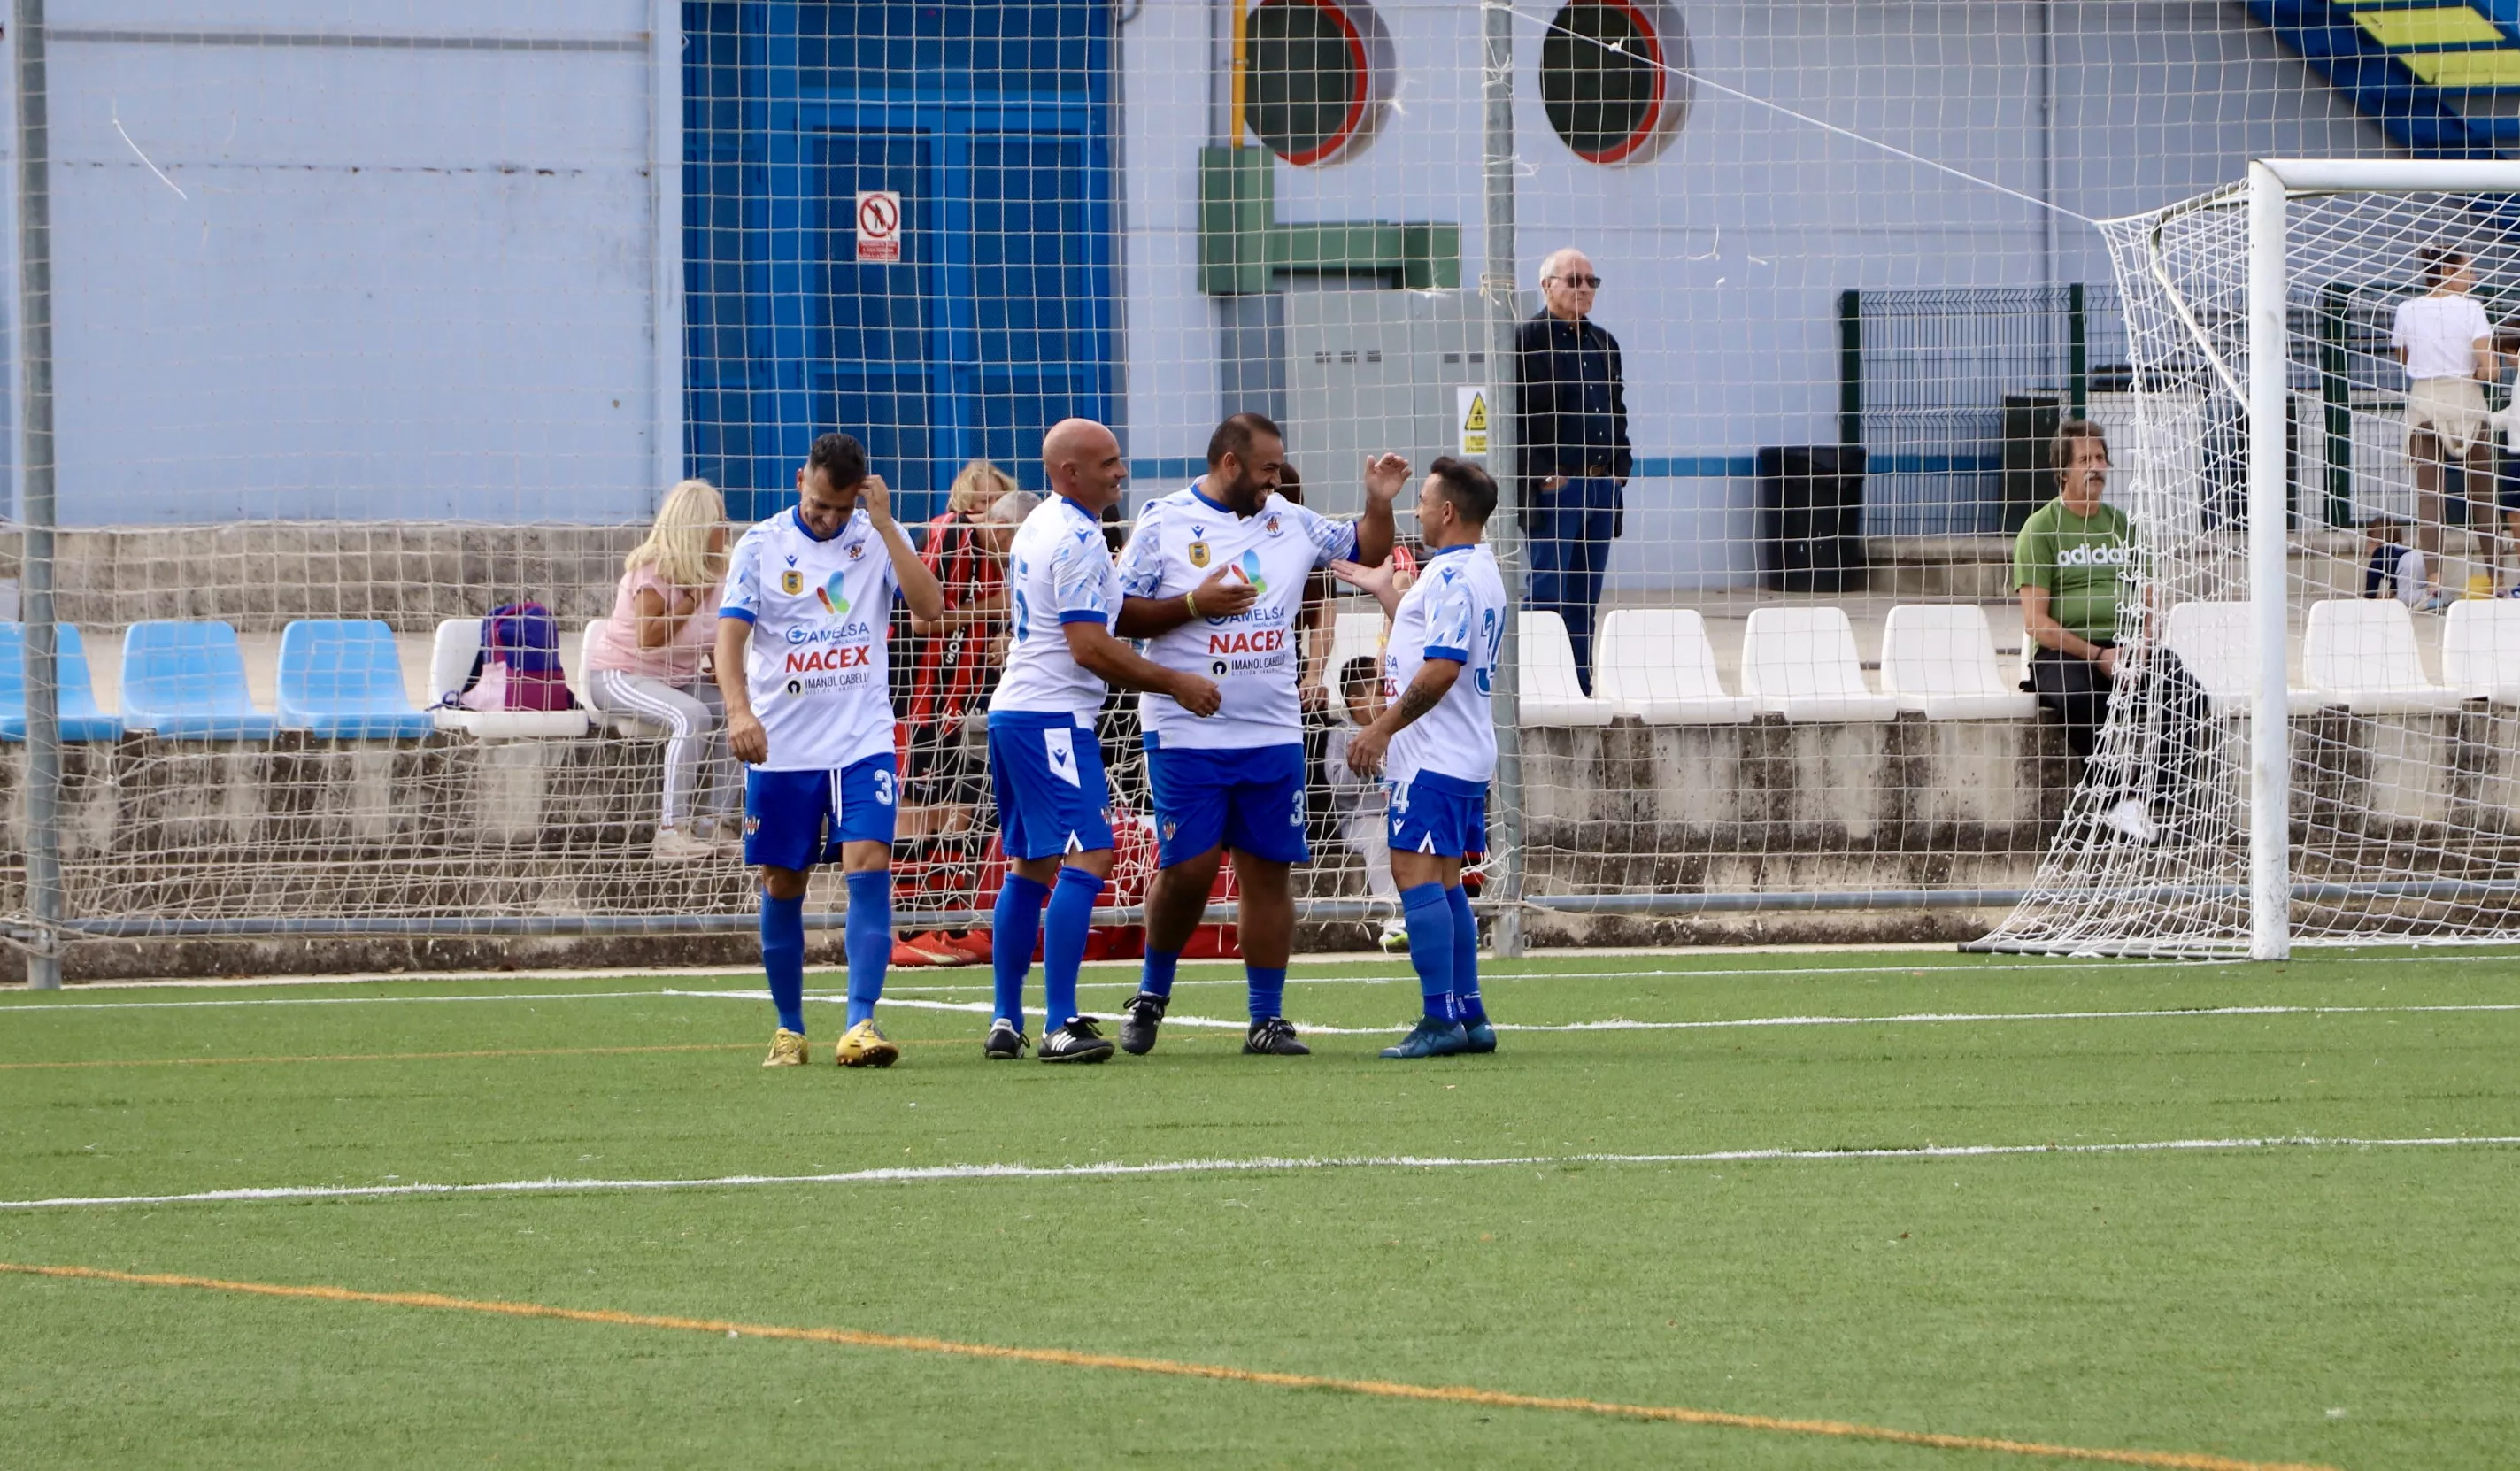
{"x":2218,"y":646}
{"x":2480,"y":650}
{"x":450,"y":661}
{"x":1656,"y":665}
{"x":1938,"y":660}
{"x":1801,"y":663}
{"x":1550,"y":695}
{"x":2360,"y":653}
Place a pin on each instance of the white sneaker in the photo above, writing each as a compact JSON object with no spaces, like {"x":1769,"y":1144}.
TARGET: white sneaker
{"x":675,"y":846}
{"x":1394,"y":939}
{"x":2130,"y":820}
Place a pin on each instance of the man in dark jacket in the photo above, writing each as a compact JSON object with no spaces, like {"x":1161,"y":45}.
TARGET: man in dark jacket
{"x":1573,"y":433}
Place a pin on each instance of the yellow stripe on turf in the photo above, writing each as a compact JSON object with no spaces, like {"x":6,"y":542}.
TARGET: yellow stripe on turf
{"x":2167,"y":1460}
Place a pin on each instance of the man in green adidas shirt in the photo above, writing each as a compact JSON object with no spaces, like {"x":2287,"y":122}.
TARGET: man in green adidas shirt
{"x":2073,"y":564}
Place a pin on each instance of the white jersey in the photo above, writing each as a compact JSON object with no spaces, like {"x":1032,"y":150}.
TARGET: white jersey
{"x":1059,"y":572}
{"x":817,"y":667}
{"x":1181,"y":540}
{"x":1457,"y":611}
{"x":2439,"y":336}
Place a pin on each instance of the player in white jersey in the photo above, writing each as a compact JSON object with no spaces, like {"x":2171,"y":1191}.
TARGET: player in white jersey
{"x":802,"y":661}
{"x":1435,"y":745}
{"x":1214,"y":577}
{"x":1053,"y":805}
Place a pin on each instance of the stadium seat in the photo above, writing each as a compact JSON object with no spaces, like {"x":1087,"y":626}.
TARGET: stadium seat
{"x":1938,"y":660}
{"x":2360,"y":652}
{"x":1801,"y":663}
{"x":450,"y":663}
{"x":186,"y":680}
{"x":342,"y":678}
{"x":74,"y":700}
{"x":1656,"y":665}
{"x":2480,"y":650}
{"x":1550,"y":692}
{"x":2216,"y":643}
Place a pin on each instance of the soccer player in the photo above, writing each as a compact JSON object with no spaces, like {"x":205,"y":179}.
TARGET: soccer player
{"x":1053,"y":805}
{"x":1435,"y":745}
{"x":1214,"y":577}
{"x":801,"y":659}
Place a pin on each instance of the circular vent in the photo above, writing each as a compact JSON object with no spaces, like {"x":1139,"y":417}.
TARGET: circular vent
{"x":1313,"y":77}
{"x":1611,"y":78}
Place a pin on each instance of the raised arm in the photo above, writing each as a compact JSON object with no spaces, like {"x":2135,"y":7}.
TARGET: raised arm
{"x":1384,"y":474}
{"x":919,"y":586}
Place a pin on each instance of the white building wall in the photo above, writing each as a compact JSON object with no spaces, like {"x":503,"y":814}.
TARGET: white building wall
{"x":1725,"y":255}
{"x":375,"y":280}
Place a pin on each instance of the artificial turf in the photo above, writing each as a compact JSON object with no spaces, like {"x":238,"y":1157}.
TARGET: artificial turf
{"x":2340,"y":1305}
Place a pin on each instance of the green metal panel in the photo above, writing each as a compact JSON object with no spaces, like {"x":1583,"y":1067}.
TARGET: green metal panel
{"x":1243,"y":249}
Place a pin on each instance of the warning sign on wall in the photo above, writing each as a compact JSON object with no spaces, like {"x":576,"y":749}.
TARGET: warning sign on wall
{"x":878,"y":225}
{"x":1471,"y":416}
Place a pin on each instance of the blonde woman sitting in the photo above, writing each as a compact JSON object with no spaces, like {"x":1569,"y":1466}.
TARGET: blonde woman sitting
{"x":649,"y":661}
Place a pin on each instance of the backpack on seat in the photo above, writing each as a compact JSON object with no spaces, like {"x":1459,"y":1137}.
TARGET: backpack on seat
{"x":519,"y":665}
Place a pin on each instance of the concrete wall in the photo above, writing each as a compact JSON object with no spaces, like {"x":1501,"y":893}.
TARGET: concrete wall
{"x":358,"y":261}
{"x":1725,"y":255}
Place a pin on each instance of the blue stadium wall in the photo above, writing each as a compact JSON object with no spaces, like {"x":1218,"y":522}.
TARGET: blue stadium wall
{"x":992,"y":122}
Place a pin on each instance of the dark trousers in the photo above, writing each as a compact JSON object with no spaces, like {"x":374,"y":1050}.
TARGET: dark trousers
{"x":2077,"y":692}
{"x":1571,"y":530}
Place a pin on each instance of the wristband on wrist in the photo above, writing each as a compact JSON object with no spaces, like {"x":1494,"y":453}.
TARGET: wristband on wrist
{"x":1191,"y":601}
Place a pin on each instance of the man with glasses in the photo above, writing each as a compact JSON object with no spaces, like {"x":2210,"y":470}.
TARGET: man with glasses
{"x":1573,"y":433}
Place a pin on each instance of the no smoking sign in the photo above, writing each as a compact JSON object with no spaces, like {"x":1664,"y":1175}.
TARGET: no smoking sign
{"x":878,"y":225}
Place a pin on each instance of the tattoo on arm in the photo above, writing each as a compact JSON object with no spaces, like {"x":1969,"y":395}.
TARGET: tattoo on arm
{"x":1415,"y":701}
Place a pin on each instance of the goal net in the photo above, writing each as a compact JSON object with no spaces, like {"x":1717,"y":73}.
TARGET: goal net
{"x":2379,"y":550}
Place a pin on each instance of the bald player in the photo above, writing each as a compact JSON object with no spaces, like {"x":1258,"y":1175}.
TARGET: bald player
{"x":1053,"y":805}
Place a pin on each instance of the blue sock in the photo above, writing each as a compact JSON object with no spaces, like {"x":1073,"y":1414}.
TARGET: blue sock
{"x":1071,"y":914}
{"x":1268,"y":991}
{"x":1430,"y":946}
{"x":1466,"y":1007}
{"x":1157,"y":976}
{"x":870,"y":938}
{"x":1010,"y":940}
{"x":783,"y":959}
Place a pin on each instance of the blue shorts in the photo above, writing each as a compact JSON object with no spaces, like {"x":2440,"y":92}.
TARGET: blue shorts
{"x":1439,"y":815}
{"x":795,"y":820}
{"x":1052,"y":798}
{"x":1250,"y":800}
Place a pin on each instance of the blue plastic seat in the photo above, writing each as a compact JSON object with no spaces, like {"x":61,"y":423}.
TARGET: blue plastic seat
{"x":341,"y":679}
{"x":186,"y":680}
{"x":75,"y":698}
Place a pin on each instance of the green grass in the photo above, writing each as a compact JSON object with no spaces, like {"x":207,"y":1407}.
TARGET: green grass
{"x":2344,"y":1306}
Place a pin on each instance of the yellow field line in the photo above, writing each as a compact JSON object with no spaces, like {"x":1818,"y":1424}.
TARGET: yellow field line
{"x":680,"y":1047}
{"x":2167,"y":1460}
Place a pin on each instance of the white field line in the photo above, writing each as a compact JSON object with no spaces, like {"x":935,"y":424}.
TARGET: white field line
{"x":341,"y":1001}
{"x":931,"y":1174}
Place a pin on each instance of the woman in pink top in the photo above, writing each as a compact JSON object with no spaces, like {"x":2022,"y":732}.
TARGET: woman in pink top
{"x":648,"y":660}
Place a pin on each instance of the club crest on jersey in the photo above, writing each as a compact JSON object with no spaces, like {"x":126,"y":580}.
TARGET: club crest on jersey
{"x":1271,"y":526}
{"x":1198,"y":553}
{"x":792,"y":582}
{"x":856,"y":550}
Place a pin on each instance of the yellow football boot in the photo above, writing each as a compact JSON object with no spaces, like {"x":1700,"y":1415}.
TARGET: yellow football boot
{"x":865,"y":1045}
{"x":786,"y":1050}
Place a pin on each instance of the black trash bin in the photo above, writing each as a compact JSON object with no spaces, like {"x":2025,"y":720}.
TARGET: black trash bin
{"x":1811,"y":517}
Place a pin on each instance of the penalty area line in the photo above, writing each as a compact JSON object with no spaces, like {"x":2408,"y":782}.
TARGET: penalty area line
{"x":1386,"y":1389}
{"x":1283,"y":1164}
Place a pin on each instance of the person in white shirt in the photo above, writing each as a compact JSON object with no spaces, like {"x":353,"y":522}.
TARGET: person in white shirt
{"x":1053,"y":802}
{"x":2447,"y":346}
{"x":1436,"y":746}
{"x":1359,"y":799}
{"x":1213,"y":577}
{"x":803,"y":665}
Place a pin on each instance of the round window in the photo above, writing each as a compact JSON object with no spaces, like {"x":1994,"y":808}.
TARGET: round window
{"x":1614,"y":78}
{"x":1313,"y":77}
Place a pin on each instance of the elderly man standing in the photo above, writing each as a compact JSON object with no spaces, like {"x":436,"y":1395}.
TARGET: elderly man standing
{"x":1573,"y":431}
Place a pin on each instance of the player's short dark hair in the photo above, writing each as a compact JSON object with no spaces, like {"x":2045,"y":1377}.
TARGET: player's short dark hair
{"x":1471,"y":490}
{"x":2060,"y":451}
{"x":2438,"y":261}
{"x":1234,"y":435}
{"x":1361,"y":670}
{"x":840,"y":458}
